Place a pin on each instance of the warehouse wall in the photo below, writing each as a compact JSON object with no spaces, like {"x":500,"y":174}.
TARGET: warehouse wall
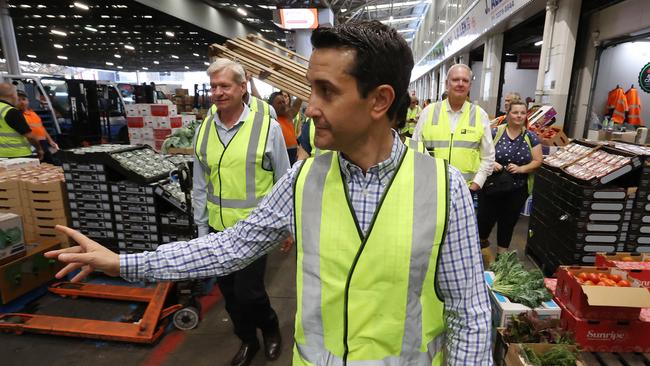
{"x":621,"y":65}
{"x":522,"y":81}
{"x":475,"y":91}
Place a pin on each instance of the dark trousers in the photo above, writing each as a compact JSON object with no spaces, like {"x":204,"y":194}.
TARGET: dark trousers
{"x":47,"y":155}
{"x":502,"y":209}
{"x":247,"y":302}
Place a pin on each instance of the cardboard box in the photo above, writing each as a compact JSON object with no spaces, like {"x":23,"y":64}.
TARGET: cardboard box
{"x":188,"y":119}
{"x":638,"y":269}
{"x":162,"y":133}
{"x":132,"y":110}
{"x":135,"y":122}
{"x":624,"y":136}
{"x":558,"y":138}
{"x":513,"y":357}
{"x":503,"y":309}
{"x":181,"y":150}
{"x":18,"y":163}
{"x":607,"y":335}
{"x":147,"y":133}
{"x":541,"y":117}
{"x":176,"y":121}
{"x":135,"y":134}
{"x":12,"y":237}
{"x":162,"y":110}
{"x":600,"y":302}
{"x":181,"y":92}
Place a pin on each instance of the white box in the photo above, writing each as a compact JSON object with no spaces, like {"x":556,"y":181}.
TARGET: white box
{"x":135,"y":134}
{"x":18,"y":163}
{"x":12,"y":240}
{"x":188,"y":118}
{"x":146,"y":133}
{"x":135,"y":141}
{"x":503,"y":309}
{"x":144,"y":109}
{"x":160,"y":122}
{"x":162,"y":110}
{"x":132,"y":110}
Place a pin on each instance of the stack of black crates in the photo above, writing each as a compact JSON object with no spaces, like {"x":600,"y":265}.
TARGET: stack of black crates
{"x":572,"y":220}
{"x":121,"y":210}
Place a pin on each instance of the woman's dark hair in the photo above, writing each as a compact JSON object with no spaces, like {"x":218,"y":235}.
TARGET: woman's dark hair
{"x":382,"y":56}
{"x":402,"y":103}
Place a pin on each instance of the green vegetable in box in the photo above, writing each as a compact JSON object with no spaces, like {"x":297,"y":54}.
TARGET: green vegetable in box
{"x":557,"y":356}
{"x":519,"y":285}
{"x":182,"y":137}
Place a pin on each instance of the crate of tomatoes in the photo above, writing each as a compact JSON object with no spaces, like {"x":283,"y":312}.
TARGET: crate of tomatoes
{"x":636,"y":265}
{"x":600,"y":293}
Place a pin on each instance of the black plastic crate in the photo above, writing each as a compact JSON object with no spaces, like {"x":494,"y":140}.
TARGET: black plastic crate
{"x":137,"y":236}
{"x":91,"y":206}
{"x":143,"y":218}
{"x":132,"y":189}
{"x":86,"y":187}
{"x":91,"y":215}
{"x":132,"y":199}
{"x":640,"y":216}
{"x":89,"y":196}
{"x":136,"y":227}
{"x":136,"y":246}
{"x":92,"y":224}
{"x":85,"y":177}
{"x":170,"y":238}
{"x":97,"y":234}
{"x":133,"y":208}
{"x":176,"y":220}
{"x":84,"y":168}
{"x":168,"y":197}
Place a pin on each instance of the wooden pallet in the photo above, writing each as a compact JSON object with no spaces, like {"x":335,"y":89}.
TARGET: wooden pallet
{"x":616,"y":359}
{"x":267,"y":61}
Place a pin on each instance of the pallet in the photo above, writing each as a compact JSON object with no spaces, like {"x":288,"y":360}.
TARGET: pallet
{"x":616,"y":359}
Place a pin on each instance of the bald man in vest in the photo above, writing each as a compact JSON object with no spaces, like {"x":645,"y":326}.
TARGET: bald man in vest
{"x":389,"y":267}
{"x":459,"y":131}
{"x":15,"y":134}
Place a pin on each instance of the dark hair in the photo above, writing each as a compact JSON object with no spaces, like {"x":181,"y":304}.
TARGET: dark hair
{"x":273,"y":95}
{"x":382,"y":56}
{"x":403,"y":104}
{"x":517,"y":102}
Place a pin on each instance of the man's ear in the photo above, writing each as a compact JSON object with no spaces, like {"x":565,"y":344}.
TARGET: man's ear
{"x":381,"y":99}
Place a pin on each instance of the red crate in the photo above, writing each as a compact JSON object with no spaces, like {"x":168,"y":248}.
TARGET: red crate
{"x":162,"y":110}
{"x":135,"y":122}
{"x":161,"y":133}
{"x":599,"y":302}
{"x":176,"y":121}
{"x":638,"y":269}
{"x":606,"y":335}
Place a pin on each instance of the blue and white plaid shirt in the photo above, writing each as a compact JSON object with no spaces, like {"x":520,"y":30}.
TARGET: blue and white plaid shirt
{"x":460,"y":271}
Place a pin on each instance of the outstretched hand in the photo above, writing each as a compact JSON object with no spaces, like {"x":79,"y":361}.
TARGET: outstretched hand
{"x":89,"y":256}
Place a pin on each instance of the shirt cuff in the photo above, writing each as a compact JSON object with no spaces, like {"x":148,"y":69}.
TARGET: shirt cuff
{"x":132,"y":266}
{"x":479,"y":179}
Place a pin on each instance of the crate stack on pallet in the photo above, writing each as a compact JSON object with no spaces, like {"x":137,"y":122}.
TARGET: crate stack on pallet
{"x":174,"y":221}
{"x":37,"y":193}
{"x":135,"y":210}
{"x":151,"y":124}
{"x":639,"y":229}
{"x":90,"y":205}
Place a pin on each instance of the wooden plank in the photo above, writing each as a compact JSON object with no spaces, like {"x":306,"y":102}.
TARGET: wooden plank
{"x":273,"y":57}
{"x":276,"y":45}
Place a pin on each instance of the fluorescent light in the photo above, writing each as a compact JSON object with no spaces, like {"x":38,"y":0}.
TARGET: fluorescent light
{"x":25,"y":6}
{"x":174,"y":56}
{"x":41,"y":6}
{"x":117,"y":55}
{"x":270,"y":7}
{"x":81,"y":6}
{"x":390,"y":19}
{"x":205,"y":63}
{"x":145,"y":68}
{"x":156,"y":62}
{"x":120,"y":67}
{"x":406,"y":30}
{"x":31,"y":56}
{"x":510,"y":54}
{"x":109,"y":63}
{"x":242,"y":11}
{"x":196,"y":54}
{"x":90,"y":29}
{"x":169,"y":34}
{"x":129,"y":47}
{"x":58,"y":32}
{"x":57,"y":45}
{"x":399,"y":20}
{"x":105,"y":16}
{"x":147,"y":16}
{"x":62,"y":57}
{"x":36,"y":16}
{"x":187,"y":67}
{"x":538,"y":43}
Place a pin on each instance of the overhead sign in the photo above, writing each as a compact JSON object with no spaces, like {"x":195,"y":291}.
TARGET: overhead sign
{"x":644,"y":78}
{"x":528,"y":61}
{"x":299,"y":18}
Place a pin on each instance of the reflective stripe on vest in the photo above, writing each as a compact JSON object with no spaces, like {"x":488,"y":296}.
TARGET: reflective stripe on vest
{"x":236,"y":180}
{"x":462,"y":148}
{"x":312,"y":140}
{"x":416,"y":145}
{"x":256,"y":104}
{"x":12,"y":144}
{"x":343,"y":314}
{"x":634,"y":107}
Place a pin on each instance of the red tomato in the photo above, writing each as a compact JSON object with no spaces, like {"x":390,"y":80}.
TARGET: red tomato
{"x":593,"y":277}
{"x":609,"y":282}
{"x":623,"y":283}
{"x":588,"y":283}
{"x":647,"y":260}
{"x":615,"y":277}
{"x":603,"y":275}
{"x":602,"y":283}
{"x":583,"y":276}
{"x":580,"y":281}
{"x":627,"y":259}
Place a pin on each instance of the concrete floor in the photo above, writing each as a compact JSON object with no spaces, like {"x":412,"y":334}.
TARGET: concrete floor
{"x":212,"y":343}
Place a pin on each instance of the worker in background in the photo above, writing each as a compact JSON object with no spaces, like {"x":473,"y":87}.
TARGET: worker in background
{"x":501,"y":116}
{"x":459,"y":131}
{"x":389,"y":270}
{"x":255,"y":102}
{"x":235,"y":145}
{"x":412,"y":115}
{"x":36,"y":125}
{"x":278,"y":101}
{"x":426,"y":103}
{"x":15,"y":134}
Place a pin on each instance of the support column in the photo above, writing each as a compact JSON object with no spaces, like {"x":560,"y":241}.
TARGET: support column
{"x":8,"y":38}
{"x":492,"y":53}
{"x":556,"y":59}
{"x":442,"y":87}
{"x":303,"y":42}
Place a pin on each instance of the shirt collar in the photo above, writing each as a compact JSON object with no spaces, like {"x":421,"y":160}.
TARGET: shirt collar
{"x":242,"y":117}
{"x":383,"y":170}
{"x":462,"y":109}
{"x":5,"y":102}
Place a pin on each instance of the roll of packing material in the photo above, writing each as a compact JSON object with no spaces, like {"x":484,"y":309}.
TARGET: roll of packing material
{"x":641,"y":135}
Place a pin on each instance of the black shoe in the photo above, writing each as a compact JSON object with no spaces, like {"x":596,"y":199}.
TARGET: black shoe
{"x":272,"y":344}
{"x":245,"y":355}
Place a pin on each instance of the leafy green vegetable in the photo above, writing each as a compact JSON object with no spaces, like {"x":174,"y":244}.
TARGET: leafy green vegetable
{"x":556,"y":356}
{"x":519,"y":285}
{"x":530,"y":356}
{"x":529,"y":328}
{"x":182,"y":137}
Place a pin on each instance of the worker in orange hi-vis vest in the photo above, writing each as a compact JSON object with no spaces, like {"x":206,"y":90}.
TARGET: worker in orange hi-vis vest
{"x":634,"y":107}
{"x":617,"y":102}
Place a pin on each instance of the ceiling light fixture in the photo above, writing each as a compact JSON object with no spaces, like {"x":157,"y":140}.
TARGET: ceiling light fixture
{"x":156,"y":62}
{"x":25,"y":6}
{"x":120,"y":67}
{"x":90,"y":29}
{"x":145,"y":68}
{"x":169,"y":34}
{"x":58,"y":32}
{"x":129,"y":47}
{"x":196,"y":54}
{"x":117,"y":55}
{"x":205,"y":63}
{"x":62,"y":57}
{"x":510,"y":54}
{"x":187,"y":67}
{"x":174,"y":57}
{"x":81,"y":6}
{"x":57,"y":45}
{"x":109,"y":63}
{"x":31,"y":56}
{"x":538,"y":43}
{"x":242,"y":11}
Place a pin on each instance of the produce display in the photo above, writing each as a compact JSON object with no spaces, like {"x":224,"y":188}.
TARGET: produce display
{"x":174,"y":190}
{"x":530,"y":328}
{"x":519,"y":285}
{"x":181,"y":137}
{"x":557,"y":356}
{"x":567,"y":154}
{"x":144,"y":162}
{"x":596,"y":165}
{"x":105,"y":148}
{"x":601,"y":279}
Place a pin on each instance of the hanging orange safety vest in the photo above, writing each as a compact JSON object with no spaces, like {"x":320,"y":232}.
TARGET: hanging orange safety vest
{"x":616,"y":100}
{"x":634,"y":107}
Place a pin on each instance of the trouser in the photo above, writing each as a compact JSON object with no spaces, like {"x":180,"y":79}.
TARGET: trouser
{"x":47,"y":154}
{"x":502,"y":209}
{"x":247,"y":302}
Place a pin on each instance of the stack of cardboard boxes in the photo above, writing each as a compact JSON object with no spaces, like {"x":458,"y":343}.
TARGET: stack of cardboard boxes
{"x":151,"y":124}
{"x":183,"y":101}
{"x":37,"y":193}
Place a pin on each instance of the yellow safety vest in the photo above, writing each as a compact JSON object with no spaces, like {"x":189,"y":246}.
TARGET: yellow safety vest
{"x":500,"y":130}
{"x":12,"y":144}
{"x":412,"y":114}
{"x":373,"y":299}
{"x":462,"y":149}
{"x":312,"y":140}
{"x":236,"y":179}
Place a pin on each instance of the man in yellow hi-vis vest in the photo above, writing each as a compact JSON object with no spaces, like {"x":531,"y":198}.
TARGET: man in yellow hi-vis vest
{"x":388,"y":268}
{"x":240,"y":153}
{"x":16,"y":137}
{"x":459,"y":131}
